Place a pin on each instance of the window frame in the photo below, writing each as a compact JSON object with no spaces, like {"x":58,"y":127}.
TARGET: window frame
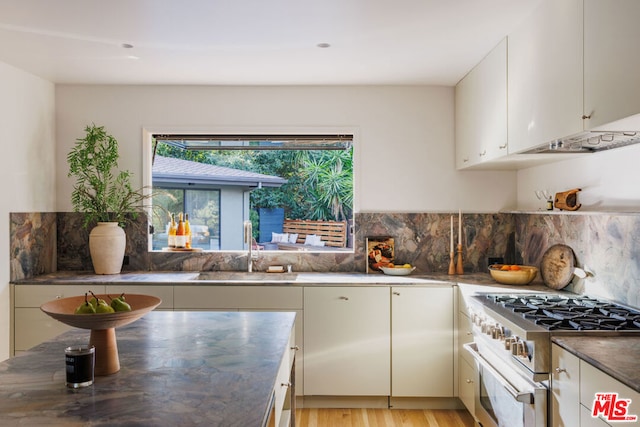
{"x":147,"y":149}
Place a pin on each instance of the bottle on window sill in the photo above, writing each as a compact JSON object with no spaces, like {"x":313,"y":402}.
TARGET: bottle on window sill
{"x":181,"y":237}
{"x":187,"y":231}
{"x":172,"y":232}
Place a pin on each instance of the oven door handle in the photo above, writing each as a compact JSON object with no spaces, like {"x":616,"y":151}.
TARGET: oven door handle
{"x":520,"y":396}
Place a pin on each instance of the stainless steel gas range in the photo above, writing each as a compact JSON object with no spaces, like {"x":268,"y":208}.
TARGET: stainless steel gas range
{"x":512,"y":348}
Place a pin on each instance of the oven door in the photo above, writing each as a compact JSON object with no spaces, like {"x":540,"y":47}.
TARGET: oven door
{"x":505,"y":398}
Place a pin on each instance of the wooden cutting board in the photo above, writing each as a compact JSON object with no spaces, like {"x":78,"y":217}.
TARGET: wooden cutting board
{"x":557,"y":266}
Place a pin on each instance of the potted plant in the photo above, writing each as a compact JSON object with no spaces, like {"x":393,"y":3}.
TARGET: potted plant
{"x":105,"y":196}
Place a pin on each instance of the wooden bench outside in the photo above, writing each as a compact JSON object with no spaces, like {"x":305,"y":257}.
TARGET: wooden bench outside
{"x":333,"y":233}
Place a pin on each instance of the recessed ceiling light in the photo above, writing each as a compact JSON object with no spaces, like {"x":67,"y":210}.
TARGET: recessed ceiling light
{"x":127,"y":45}
{"x":323,"y":45}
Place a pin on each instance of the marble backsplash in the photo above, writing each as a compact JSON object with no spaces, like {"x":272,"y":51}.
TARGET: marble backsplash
{"x":606,"y":243}
{"x":32,"y":244}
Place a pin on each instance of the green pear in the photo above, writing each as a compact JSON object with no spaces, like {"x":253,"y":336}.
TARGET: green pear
{"x":85,"y":307}
{"x":94,"y":300}
{"x":103,"y":307}
{"x":119,"y":304}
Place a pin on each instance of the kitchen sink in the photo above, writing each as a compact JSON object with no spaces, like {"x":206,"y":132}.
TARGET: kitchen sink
{"x":244,"y":276}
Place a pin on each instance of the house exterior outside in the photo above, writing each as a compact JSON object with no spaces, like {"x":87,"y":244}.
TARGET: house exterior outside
{"x":232,"y":189}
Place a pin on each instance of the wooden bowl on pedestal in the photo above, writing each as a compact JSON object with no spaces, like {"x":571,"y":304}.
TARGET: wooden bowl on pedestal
{"x":102,"y":325}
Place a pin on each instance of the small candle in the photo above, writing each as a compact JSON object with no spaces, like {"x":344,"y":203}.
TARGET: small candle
{"x":451,"y":233}
{"x":459,"y":227}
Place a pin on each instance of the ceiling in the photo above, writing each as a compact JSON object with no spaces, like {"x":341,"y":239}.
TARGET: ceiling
{"x":254,"y":42}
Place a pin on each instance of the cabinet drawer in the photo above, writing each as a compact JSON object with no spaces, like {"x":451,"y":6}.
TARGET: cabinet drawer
{"x":466,"y":384}
{"x":32,"y":327}
{"x":465,"y":335}
{"x":36,"y":295}
{"x":165,"y":293}
{"x":586,"y":420}
{"x":238,"y":297}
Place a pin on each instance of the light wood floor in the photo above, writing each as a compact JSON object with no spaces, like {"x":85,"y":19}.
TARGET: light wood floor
{"x":312,"y":417}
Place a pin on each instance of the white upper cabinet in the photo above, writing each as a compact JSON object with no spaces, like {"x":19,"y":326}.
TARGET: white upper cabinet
{"x":611,"y":62}
{"x":481,"y":110}
{"x":572,"y":66}
{"x":545,"y":79}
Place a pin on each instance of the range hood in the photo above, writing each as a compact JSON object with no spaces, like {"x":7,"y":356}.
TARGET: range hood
{"x":588,"y":142}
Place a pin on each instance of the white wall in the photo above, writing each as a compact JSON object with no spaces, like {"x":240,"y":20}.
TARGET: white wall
{"x":28,"y":170}
{"x":610,"y":181}
{"x":404,"y":154}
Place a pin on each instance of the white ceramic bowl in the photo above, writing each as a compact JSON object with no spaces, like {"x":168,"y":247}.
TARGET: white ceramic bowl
{"x":523,"y":276}
{"x":397,"y":271}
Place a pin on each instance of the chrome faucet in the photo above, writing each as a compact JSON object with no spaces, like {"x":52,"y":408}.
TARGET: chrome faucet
{"x":248,"y":239}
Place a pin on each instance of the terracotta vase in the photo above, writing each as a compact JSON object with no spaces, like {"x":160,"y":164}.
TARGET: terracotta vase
{"x":107,"y":243}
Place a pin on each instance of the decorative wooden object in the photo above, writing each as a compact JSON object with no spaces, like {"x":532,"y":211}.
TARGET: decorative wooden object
{"x":102,"y":325}
{"x":452,"y":264}
{"x":568,"y":200}
{"x":459,"y":269}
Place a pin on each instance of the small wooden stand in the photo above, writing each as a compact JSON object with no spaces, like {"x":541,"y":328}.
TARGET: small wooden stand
{"x":452,"y":266}
{"x":107,"y":361}
{"x":459,"y":269}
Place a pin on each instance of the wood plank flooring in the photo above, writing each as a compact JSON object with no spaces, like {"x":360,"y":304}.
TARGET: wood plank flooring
{"x":313,"y":417}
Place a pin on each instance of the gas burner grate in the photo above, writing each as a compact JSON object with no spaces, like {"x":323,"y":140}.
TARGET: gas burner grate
{"x":557,"y":312}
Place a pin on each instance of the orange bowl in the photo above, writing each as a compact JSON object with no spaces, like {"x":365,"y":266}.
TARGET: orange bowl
{"x":523,"y":276}
{"x":63,"y":310}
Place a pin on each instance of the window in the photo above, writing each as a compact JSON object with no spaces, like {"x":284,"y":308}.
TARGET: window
{"x":223,"y":180}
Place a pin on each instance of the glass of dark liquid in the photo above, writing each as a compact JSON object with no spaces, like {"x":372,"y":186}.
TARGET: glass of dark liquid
{"x":80,"y":361}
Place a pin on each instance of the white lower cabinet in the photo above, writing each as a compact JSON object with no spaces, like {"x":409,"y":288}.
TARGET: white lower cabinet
{"x":467,"y":370}
{"x":283,"y":397}
{"x":467,"y":373}
{"x":347,"y":341}
{"x":565,"y":387}
{"x":31,"y":325}
{"x":353,"y":340}
{"x":574,"y":385}
{"x":593,"y":381}
{"x":422,"y":341}
{"x":586,"y":420}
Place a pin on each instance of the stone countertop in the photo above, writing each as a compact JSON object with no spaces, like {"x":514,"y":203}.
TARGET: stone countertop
{"x":261,"y":278}
{"x":614,"y":355}
{"x":177,"y":368}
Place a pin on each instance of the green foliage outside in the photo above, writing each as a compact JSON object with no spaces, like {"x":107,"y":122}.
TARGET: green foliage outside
{"x":320,"y":182}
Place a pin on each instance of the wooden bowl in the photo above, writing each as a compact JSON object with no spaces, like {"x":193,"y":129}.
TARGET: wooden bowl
{"x":523,"y":276}
{"x":102,"y":325}
{"x":63,"y":310}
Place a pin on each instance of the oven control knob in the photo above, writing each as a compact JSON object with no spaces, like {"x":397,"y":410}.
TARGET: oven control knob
{"x":490,"y":329}
{"x":497,"y":333}
{"x":477,"y":320}
{"x":514,"y":348}
{"x":484,"y":327}
{"x":507,"y":343}
{"x":519,"y":348}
